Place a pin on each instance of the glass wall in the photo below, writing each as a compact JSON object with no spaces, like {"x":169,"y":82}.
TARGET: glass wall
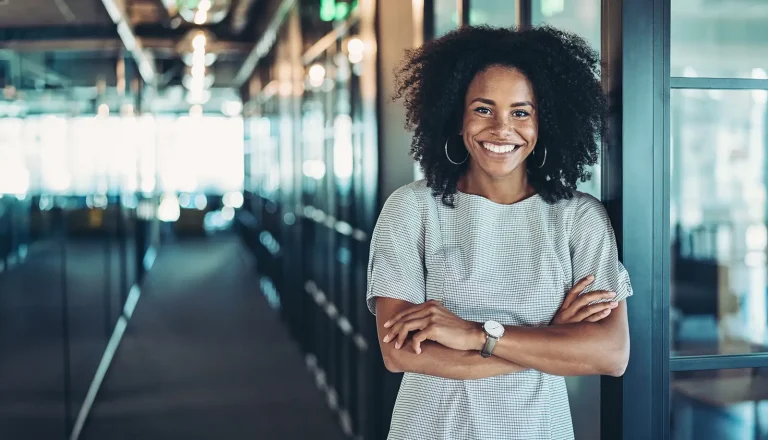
{"x":718,"y":292}
{"x":728,"y":404}
{"x":311,"y":194}
{"x":725,"y":39}
{"x":446,"y":16}
{"x":500,"y":13}
{"x":71,"y":240}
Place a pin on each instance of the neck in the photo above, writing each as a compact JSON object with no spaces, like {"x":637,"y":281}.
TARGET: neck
{"x":506,"y":191}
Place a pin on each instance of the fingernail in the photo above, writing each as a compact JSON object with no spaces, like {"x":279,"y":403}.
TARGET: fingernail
{"x":397,"y":345}
{"x":386,"y":338}
{"x":418,"y":350}
{"x":591,"y":278}
{"x":614,"y":294}
{"x":387,"y":324}
{"x":614,"y":303}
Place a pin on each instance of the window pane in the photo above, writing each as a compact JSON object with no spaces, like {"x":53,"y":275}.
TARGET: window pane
{"x":446,"y":16}
{"x":724,"y":39}
{"x":581,"y":17}
{"x":718,"y":221}
{"x":719,"y":405}
{"x":501,"y":13}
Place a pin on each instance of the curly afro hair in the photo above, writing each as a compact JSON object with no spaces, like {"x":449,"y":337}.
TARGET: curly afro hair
{"x":564,"y":71}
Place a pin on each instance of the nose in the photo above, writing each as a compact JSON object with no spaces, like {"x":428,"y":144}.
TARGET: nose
{"x":502,"y":127}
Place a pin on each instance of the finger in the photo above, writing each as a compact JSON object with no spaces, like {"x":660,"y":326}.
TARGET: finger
{"x":407,"y":327}
{"x":577,"y":288}
{"x":598,"y":316}
{"x":421,"y":336}
{"x":430,"y":309}
{"x":418,"y":314}
{"x":415,"y":309}
{"x":402,"y":313}
{"x":593,"y":297}
{"x":394,"y":332}
{"x":588,"y":311}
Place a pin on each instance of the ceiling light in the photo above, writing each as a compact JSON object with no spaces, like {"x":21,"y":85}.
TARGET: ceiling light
{"x":196,"y":41}
{"x":232,"y":108}
{"x":204,"y":11}
{"x":316,"y":75}
{"x":196,"y":110}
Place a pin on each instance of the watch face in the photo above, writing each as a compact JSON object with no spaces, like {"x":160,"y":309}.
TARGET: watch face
{"x":494,"y":329}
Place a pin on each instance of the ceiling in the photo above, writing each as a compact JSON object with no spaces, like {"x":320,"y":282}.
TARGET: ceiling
{"x":27,"y":13}
{"x":65,"y":44}
{"x":52,"y":13}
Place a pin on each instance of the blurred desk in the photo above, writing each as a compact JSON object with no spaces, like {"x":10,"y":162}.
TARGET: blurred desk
{"x":727,"y":406}
{"x":723,"y":391}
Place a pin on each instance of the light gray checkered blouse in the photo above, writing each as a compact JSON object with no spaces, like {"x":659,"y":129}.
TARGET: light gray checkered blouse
{"x":482,"y":260}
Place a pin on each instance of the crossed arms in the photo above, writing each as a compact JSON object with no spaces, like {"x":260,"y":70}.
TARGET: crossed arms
{"x":584,"y":339}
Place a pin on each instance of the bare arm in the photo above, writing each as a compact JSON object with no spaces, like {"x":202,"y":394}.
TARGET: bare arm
{"x":577,"y":349}
{"x":435,"y":359}
{"x":587,"y":337}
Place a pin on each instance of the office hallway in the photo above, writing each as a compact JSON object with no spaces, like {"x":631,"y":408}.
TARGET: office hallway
{"x":204,"y":357}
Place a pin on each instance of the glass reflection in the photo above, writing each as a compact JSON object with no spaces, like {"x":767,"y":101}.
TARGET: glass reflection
{"x":719,"y":405}
{"x":725,"y":39}
{"x":14,"y":176}
{"x":501,"y":13}
{"x":446,"y":16}
{"x":718,"y":218}
{"x":185,"y":161}
{"x":581,"y":17}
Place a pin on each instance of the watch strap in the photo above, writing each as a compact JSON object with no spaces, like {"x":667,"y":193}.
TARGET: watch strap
{"x":490,"y":344}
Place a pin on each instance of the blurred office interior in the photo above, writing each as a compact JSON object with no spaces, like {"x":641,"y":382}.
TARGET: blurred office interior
{"x":188,"y":189}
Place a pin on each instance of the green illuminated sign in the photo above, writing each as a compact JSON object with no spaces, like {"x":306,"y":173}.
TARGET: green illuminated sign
{"x":327,"y":10}
{"x":330,"y":10}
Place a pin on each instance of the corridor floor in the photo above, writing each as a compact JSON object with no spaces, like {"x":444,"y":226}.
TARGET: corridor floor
{"x":204,"y":357}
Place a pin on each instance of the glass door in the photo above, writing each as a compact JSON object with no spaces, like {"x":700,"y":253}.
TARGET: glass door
{"x":718,"y":320}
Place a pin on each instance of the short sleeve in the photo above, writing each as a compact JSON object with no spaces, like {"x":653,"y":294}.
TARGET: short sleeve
{"x":594,"y":251}
{"x":396,"y":260}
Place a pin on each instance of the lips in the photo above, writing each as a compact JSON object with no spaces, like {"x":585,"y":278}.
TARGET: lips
{"x":500,"y":148}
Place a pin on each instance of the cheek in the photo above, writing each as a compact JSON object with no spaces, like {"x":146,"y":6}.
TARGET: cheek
{"x":474,"y":126}
{"x":530,"y":131}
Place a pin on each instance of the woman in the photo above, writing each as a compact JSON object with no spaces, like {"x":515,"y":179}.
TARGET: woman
{"x":494,"y":277}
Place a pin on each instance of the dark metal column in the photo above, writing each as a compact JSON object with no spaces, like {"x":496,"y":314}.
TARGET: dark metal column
{"x":645,"y":214}
{"x":611,"y":388}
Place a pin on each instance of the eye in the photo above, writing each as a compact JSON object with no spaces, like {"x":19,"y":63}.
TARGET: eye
{"x":520,"y":113}
{"x":483,"y":110}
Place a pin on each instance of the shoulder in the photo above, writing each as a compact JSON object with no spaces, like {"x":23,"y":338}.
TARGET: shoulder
{"x":588,"y":216}
{"x":412,"y":194}
{"x":407,"y":201}
{"x":419,"y":188}
{"x":582,"y":213}
{"x":580,"y":204}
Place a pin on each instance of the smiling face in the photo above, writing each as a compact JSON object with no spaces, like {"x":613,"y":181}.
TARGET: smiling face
{"x":500,"y":125}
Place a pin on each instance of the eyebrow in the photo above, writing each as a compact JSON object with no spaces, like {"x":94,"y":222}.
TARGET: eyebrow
{"x":514,"y":104}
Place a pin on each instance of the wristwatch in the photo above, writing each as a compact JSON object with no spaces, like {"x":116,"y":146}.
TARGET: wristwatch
{"x":493,"y":332}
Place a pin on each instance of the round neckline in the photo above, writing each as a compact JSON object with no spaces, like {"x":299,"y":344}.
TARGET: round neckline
{"x":503,"y":205}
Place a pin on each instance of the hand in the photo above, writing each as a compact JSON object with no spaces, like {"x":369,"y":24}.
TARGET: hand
{"x":435,"y":323}
{"x":577,"y":308}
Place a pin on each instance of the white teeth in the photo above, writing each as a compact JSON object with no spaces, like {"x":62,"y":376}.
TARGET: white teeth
{"x":499,"y":148}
